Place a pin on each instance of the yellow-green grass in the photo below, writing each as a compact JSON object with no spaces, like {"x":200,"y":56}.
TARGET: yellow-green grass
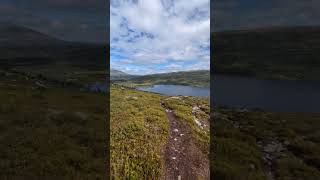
{"x":182,"y":108}
{"x":50,"y":133}
{"x":139,"y":132}
{"x":200,"y":78}
{"x":140,"y":129}
{"x":237,"y":155}
{"x":66,"y":72}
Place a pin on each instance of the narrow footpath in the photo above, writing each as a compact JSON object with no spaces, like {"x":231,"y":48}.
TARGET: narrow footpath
{"x":183,"y":159}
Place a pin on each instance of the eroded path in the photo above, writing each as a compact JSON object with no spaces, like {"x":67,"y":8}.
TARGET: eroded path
{"x":183,"y":159}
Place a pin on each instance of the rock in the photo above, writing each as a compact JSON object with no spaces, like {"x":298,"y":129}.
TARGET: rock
{"x":174,"y":97}
{"x":273,"y":147}
{"x":40,"y":85}
{"x":176,"y":130}
{"x":81,"y":115}
{"x":236,"y":125}
{"x":175,"y":139}
{"x":286,"y":142}
{"x":198,"y":123}
{"x":252,"y":167}
{"x":195,"y":109}
{"x":270,"y":148}
{"x":131,"y":97}
{"x":174,"y":158}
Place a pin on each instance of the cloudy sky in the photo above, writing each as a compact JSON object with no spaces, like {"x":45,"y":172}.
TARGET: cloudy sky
{"x":157,"y":36}
{"x":242,"y":14}
{"x":76,"y":20}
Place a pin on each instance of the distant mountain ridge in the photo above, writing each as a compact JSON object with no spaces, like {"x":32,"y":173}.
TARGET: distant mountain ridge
{"x":114,"y":72}
{"x":19,"y":36}
{"x":23,"y":45}
{"x":200,"y":78}
{"x":119,"y":75}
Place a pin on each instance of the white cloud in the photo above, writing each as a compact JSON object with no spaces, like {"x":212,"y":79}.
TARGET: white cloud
{"x":152,"y":33}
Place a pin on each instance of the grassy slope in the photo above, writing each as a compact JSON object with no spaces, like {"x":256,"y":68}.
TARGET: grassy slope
{"x":139,"y":131}
{"x":68,"y":72}
{"x":182,"y":108}
{"x":52,"y":58}
{"x":237,"y":155}
{"x":53,"y":133}
{"x":199,"y":78}
{"x":275,"y":53}
{"x":119,"y":75}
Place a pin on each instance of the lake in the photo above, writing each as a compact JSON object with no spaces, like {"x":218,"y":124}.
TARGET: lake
{"x":272,"y":95}
{"x":100,"y":88}
{"x":176,"y":90}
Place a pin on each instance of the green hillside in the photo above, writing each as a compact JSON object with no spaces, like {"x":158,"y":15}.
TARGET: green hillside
{"x":51,"y":127}
{"x":273,"y":53}
{"x":119,"y":75}
{"x":258,"y":145}
{"x":50,"y":130}
{"x":199,"y":78}
{"x":28,"y":51}
{"x":140,"y":131}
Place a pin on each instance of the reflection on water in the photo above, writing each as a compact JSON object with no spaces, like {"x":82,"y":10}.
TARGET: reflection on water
{"x":176,"y":90}
{"x":273,"y":95}
{"x":99,"y":88}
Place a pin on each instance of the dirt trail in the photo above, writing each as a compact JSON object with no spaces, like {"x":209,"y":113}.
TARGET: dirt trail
{"x":271,"y":150}
{"x":183,"y":159}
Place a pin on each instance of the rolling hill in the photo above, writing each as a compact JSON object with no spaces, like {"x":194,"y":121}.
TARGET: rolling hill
{"x":12,"y":35}
{"x":18,"y":42}
{"x":199,"y":78}
{"x":30,"y":51}
{"x":275,"y":52}
{"x":119,"y":75}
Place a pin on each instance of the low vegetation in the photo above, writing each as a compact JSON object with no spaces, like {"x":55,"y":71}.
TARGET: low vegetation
{"x":50,"y":126}
{"x":140,"y":130}
{"x":195,"y":112}
{"x":252,"y":144}
{"x":200,"y":78}
{"x":48,"y":131}
{"x":67,"y":72}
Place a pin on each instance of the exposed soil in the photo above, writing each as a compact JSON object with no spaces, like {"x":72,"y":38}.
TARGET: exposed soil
{"x":183,"y":159}
{"x":271,"y":150}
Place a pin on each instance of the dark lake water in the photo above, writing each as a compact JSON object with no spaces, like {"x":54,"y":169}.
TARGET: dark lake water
{"x":176,"y":90}
{"x":100,"y":88}
{"x":242,"y":92}
{"x":273,"y":95}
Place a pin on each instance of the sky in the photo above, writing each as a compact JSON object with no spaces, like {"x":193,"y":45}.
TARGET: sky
{"x":159,"y":36}
{"x":74,"y":20}
{"x":244,"y":14}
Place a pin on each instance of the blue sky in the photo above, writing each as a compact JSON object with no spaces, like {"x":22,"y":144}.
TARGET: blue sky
{"x":158,"y":36}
